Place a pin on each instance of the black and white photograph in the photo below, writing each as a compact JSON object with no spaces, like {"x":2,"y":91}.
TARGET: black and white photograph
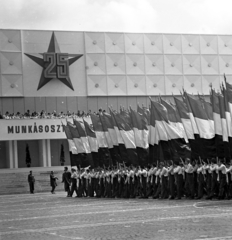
{"x":115,"y":120}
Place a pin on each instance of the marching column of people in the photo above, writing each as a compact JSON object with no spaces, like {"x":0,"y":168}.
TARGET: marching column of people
{"x":189,"y":179}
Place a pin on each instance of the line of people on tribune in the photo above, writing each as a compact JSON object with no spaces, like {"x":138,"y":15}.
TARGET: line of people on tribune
{"x":187,"y":179}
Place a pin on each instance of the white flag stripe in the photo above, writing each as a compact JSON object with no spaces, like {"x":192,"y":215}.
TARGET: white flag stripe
{"x":224,"y":130}
{"x":119,"y":136}
{"x":179,"y":127}
{"x":102,"y":143}
{"x":188,"y":128}
{"x":141,"y":138}
{"x":72,"y":146}
{"x":161,"y":131}
{"x":205,"y":129}
{"x":85,"y":143}
{"x":79,"y":145}
{"x":228,"y":121}
{"x":217,"y":124}
{"x":193,"y":122}
{"x":109,"y":140}
{"x":172,"y":131}
{"x":151,"y":134}
{"x":128,"y":138}
{"x":113,"y":136}
{"x":93,"y":144}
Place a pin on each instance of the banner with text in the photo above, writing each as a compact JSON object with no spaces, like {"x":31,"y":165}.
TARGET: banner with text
{"x":23,"y":129}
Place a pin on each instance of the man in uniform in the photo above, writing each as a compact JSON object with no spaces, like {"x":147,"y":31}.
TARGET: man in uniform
{"x":189,"y":184}
{"x":66,"y":179}
{"x":31,"y":181}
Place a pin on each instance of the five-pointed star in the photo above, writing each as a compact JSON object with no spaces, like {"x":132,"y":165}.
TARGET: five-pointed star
{"x":53,"y":48}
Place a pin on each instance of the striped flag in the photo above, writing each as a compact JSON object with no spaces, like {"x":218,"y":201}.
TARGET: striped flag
{"x":71,"y":144}
{"x":76,"y":138}
{"x":104,"y":141}
{"x":140,"y":127}
{"x":191,"y":116}
{"x":225,"y":136}
{"x":216,"y":113}
{"x":184,"y":116}
{"x":98,"y":128}
{"x":214,"y":98}
{"x":91,"y":134}
{"x":204,"y":126}
{"x":125,"y":129}
{"x":107,"y":122}
{"x":174,"y":118}
{"x":79,"y":123}
{"x":178,"y":146}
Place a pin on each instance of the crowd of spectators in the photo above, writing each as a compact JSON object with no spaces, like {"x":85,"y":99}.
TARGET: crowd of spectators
{"x":44,"y":115}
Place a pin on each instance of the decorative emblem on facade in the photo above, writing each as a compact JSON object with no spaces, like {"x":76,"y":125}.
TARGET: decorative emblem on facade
{"x":55,"y":64}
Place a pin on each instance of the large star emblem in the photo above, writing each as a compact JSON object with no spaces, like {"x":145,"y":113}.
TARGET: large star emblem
{"x":55,"y":64}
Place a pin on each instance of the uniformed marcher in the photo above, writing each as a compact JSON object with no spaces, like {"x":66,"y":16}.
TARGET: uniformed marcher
{"x":31,"y":181}
{"x":74,"y":178}
{"x":53,"y":182}
{"x":66,"y":179}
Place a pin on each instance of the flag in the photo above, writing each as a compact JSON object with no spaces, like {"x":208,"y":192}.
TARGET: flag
{"x":225,"y":136}
{"x":107,"y":122}
{"x":125,"y":129}
{"x":86,"y":157}
{"x":184,"y":116}
{"x":177,"y":145}
{"x":98,"y":128}
{"x":139,"y":123}
{"x":208,"y":109}
{"x":140,"y":127}
{"x":118,"y":134}
{"x":174,"y":118}
{"x":93,"y":143}
{"x":204,"y":126}
{"x":226,"y":94}
{"x":216,"y":113}
{"x":104,"y":141}
{"x":71,"y":144}
{"x":76,"y":138}
{"x":191,"y":116}
{"x":214,"y":98}
{"x":111,"y":136}
{"x":79,"y":123}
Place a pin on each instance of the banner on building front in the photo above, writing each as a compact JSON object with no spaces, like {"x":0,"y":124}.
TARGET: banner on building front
{"x":25,"y":129}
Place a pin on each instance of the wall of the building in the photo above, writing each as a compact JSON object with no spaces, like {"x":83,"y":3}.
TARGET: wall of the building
{"x":115,"y":64}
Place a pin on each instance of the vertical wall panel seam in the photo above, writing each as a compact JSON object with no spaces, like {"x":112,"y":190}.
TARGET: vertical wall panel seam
{"x":202,"y":90}
{"x":125,"y":54}
{"x":106,"y":72}
{"x":182,"y":59}
{"x":86,"y":70}
{"x":164,"y":72}
{"x":22,"y":51}
{"x":219,"y":73}
{"x":144,"y":64}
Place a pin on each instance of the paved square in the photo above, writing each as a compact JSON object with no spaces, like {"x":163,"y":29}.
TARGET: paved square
{"x":46,"y":216}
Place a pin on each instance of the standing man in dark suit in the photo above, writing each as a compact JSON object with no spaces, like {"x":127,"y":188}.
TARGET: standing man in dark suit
{"x":53,"y":182}
{"x":31,"y":181}
{"x":66,"y":179}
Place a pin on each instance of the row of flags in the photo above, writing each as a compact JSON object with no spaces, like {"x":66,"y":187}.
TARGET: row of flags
{"x":189,"y":127}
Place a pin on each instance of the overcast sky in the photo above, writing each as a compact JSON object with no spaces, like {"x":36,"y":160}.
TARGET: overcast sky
{"x":161,"y":16}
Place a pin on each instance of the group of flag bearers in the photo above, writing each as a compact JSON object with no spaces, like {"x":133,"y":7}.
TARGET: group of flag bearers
{"x":173,"y":181}
{"x":157,"y":138}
